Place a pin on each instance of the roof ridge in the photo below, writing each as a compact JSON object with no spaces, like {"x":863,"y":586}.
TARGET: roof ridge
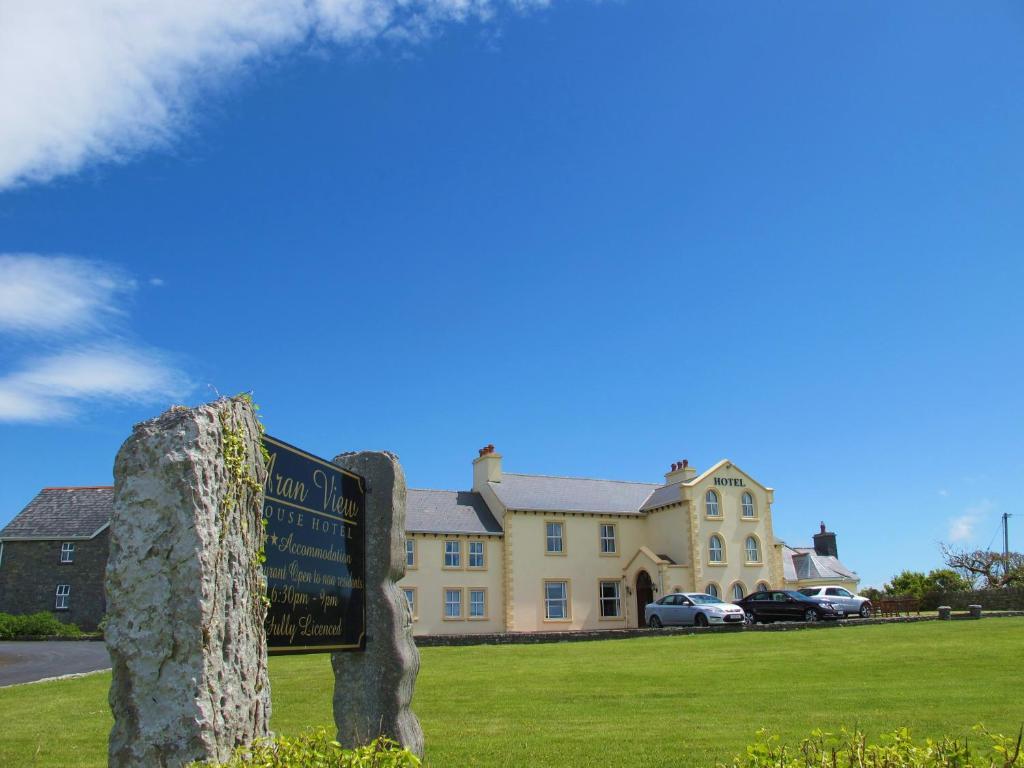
{"x":442,"y":490}
{"x":597,"y":479}
{"x":78,"y":488}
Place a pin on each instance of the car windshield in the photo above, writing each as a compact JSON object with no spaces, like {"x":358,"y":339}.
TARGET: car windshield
{"x":799,"y":596}
{"x":704,"y":599}
{"x":808,"y":591}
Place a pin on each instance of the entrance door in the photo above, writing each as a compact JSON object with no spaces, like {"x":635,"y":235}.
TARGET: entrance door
{"x":644,"y":595}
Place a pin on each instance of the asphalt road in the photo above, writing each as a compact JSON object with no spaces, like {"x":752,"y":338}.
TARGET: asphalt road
{"x":29,"y":661}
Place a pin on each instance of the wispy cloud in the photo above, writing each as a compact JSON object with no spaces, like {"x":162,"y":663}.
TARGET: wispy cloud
{"x":45,"y":298}
{"x":962,"y":527}
{"x":54,"y":387}
{"x":107,"y":79}
{"x":47,"y":294}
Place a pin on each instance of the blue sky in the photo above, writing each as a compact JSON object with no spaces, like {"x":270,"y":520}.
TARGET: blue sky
{"x":603,"y":236}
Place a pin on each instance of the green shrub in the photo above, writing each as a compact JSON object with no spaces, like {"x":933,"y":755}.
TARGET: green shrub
{"x":317,"y":749}
{"x":895,"y":750}
{"x":39,"y":624}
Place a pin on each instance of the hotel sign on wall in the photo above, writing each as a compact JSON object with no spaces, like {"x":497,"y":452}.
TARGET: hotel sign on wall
{"x":315,"y":548}
{"x":729,"y":481}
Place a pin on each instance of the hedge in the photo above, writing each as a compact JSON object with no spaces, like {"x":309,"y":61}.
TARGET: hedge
{"x":316,"y":749}
{"x":35,"y":624}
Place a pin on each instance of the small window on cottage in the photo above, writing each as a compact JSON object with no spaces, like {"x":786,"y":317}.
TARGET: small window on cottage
{"x":608,"y":544}
{"x":738,"y":591}
{"x":762,"y":587}
{"x":67,"y":552}
{"x":453,"y":554}
{"x":556,"y":600}
{"x":410,"y":553}
{"x":711,"y":504}
{"x":611,"y":607}
{"x":453,"y":603}
{"x":715,"y":552}
{"x":478,"y":604}
{"x":748,"y":505}
{"x":711,"y":589}
{"x":410,"y":596}
{"x":476,"y":554}
{"x":63,"y":600}
{"x":555,"y":538}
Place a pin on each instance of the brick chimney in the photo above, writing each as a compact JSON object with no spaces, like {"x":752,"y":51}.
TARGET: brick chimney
{"x":681,"y":472}
{"x":825,"y":543}
{"x":486,"y":467}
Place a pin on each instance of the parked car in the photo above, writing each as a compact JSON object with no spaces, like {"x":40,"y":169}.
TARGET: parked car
{"x":691,"y":608}
{"x":786,"y":605}
{"x":852,"y":605}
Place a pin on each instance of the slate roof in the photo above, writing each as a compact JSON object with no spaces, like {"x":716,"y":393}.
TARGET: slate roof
{"x":63,"y":513}
{"x":448,"y":512}
{"x":571,"y":494}
{"x":805,"y":563}
{"x":666,"y":494}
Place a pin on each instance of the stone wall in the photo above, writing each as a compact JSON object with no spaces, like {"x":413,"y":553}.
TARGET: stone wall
{"x":31,"y":571}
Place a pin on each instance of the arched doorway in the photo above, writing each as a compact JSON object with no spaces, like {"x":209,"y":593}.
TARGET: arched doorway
{"x":644,"y":595}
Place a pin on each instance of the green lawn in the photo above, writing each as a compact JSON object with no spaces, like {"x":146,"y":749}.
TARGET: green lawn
{"x":685,"y":700}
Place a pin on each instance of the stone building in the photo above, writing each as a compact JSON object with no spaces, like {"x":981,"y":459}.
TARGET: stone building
{"x":515,"y":552}
{"x":53,"y":555}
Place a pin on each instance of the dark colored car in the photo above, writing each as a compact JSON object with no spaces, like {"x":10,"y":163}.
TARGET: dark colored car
{"x":786,"y":605}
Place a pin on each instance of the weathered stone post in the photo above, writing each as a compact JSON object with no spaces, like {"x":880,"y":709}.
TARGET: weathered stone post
{"x":185,"y":589}
{"x":975,"y":611}
{"x":945,"y":613}
{"x":373,"y":690}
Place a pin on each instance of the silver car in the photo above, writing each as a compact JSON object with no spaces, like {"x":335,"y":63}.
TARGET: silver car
{"x":840,"y":597}
{"x":694,"y":608}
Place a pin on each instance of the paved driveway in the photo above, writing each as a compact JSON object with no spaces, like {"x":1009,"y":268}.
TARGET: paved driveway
{"x":26,"y":662}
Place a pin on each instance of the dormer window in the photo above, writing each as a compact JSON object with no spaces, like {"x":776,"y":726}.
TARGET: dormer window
{"x":748,"y":505}
{"x":67,"y":552}
{"x":711,"y":508}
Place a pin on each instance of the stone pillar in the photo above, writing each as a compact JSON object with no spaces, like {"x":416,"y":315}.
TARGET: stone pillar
{"x":945,"y":612}
{"x":373,"y":689}
{"x":975,"y":611}
{"x":185,"y":589}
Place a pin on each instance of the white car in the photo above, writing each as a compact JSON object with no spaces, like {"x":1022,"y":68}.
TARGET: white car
{"x":840,"y":597}
{"x":691,"y":608}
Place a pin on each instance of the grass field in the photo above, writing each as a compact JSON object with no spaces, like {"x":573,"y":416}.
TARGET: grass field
{"x":684,"y":700}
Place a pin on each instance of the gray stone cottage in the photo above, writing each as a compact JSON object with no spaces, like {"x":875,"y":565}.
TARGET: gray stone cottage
{"x":53,"y":555}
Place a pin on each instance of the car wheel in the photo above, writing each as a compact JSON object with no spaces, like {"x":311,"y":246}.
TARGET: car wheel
{"x":700,"y":620}
{"x":750,"y":618}
{"x":810,"y":615}
{"x":865,"y":611}
{"x":654,"y":623}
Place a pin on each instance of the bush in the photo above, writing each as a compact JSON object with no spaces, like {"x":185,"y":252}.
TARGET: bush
{"x":316,"y":749}
{"x":895,"y":750}
{"x":41,"y":624}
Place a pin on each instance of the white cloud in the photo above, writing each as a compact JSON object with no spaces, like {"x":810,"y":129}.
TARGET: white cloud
{"x":46,"y":294}
{"x":54,"y":387}
{"x":106,"y":79}
{"x":943,"y":492}
{"x":962,"y":528}
{"x":46,"y":297}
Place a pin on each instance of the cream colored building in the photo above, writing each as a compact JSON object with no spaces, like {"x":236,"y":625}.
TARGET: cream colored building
{"x":527,"y":553}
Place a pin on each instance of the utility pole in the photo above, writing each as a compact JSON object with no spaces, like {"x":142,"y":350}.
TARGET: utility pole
{"x":1006,"y":543}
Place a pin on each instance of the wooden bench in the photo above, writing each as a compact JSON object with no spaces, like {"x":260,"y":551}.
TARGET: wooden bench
{"x":897,"y":606}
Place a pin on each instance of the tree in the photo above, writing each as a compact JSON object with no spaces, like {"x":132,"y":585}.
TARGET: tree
{"x":984,"y":568}
{"x":918,"y":584}
{"x":907,"y":583}
{"x":947,"y":580}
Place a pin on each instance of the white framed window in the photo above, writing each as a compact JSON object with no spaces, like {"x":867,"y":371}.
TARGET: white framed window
{"x":753,"y":550}
{"x":711,"y":508}
{"x":478,"y":603}
{"x":63,"y":597}
{"x":738,"y":591}
{"x":452,"y":554}
{"x":748,"y":505}
{"x":711,"y":589}
{"x":716,"y":553}
{"x":410,"y":553}
{"x":410,"y":596}
{"x":611,"y":605}
{"x":609,"y":545}
{"x":67,"y":552}
{"x":475,"y":555}
{"x":556,"y":600}
{"x":554,"y":538}
{"x":453,"y":603}
{"x":762,"y":587}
